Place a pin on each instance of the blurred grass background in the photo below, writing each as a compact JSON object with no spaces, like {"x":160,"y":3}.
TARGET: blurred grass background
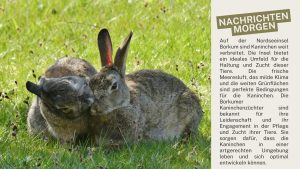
{"x":173,"y":36}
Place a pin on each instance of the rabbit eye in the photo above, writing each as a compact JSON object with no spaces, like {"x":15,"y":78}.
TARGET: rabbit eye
{"x":65,"y":109}
{"x":114,"y":86}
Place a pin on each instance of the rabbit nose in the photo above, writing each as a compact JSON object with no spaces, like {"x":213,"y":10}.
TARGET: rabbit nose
{"x":91,"y":100}
{"x":93,"y":110}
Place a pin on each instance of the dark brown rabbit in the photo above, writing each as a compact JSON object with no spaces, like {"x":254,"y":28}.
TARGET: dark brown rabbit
{"x":147,"y":104}
{"x":64,"y":98}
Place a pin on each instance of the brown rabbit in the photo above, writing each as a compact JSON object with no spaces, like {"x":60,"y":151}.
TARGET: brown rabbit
{"x":147,"y":104}
{"x":63,"y":103}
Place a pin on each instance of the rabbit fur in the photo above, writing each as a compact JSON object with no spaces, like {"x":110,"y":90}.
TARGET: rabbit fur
{"x":146,"y":104}
{"x":58,"y":110}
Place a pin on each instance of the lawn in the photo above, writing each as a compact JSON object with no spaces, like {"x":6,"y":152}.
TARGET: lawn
{"x":173,"y":36}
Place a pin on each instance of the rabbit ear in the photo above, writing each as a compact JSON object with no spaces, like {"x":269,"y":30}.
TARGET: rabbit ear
{"x":121,"y":55}
{"x":105,"y":47}
{"x":33,"y":88}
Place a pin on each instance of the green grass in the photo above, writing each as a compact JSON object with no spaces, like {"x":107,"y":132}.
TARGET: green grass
{"x":36,"y":33}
